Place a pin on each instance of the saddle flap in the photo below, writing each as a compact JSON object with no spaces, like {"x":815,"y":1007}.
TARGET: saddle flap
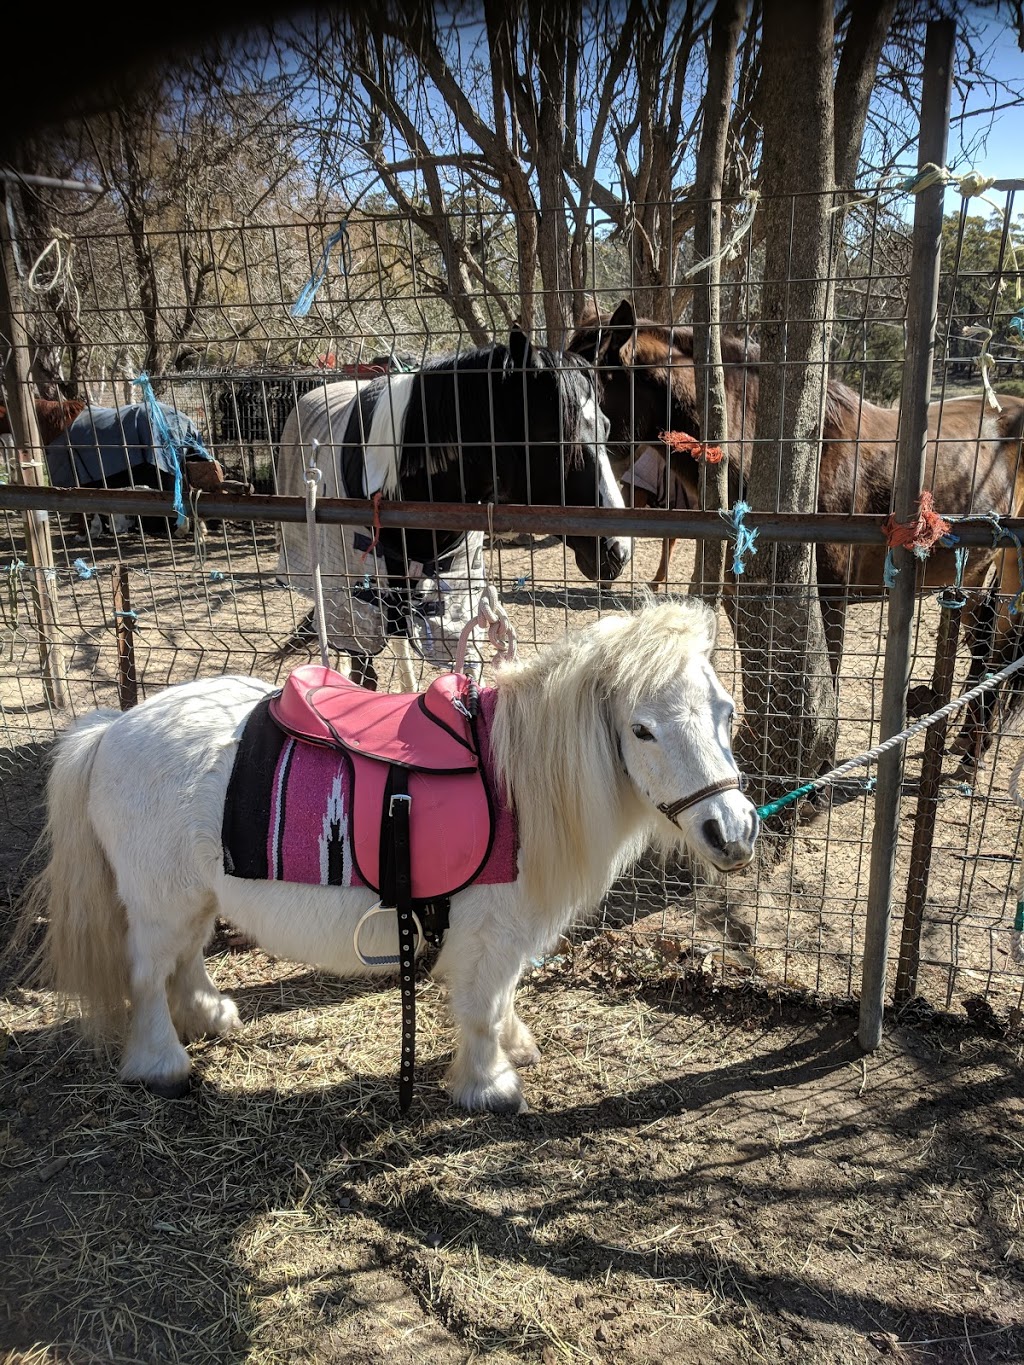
{"x":425,"y":731}
{"x":451,"y":828}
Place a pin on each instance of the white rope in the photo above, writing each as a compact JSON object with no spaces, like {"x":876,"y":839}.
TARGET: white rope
{"x":492,"y":617}
{"x":60,"y":280}
{"x":312,"y":476}
{"x":730,"y":247}
{"x":986,"y":362}
{"x":773,"y":807}
{"x":1017,"y":935}
{"x":921,"y":725}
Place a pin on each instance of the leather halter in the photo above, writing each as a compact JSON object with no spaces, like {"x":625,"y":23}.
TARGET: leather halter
{"x":674,"y":808}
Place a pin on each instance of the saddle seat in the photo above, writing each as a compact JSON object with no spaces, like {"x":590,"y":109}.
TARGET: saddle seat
{"x":431,"y":738}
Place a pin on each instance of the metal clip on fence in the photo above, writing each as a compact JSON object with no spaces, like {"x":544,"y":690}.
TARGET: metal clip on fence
{"x":312,"y":476}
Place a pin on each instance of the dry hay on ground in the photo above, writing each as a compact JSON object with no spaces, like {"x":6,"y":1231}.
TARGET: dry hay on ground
{"x":708,"y":1174}
{"x":705,"y":1176}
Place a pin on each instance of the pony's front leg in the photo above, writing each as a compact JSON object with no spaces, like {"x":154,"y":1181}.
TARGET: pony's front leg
{"x":480,"y":964}
{"x":483,"y":1074}
{"x":517,"y":1039}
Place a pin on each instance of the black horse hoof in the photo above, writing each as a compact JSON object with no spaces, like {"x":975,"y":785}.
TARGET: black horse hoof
{"x":921,"y":701}
{"x":169,"y":1090}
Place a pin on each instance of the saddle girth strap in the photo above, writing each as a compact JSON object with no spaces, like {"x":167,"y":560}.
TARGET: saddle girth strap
{"x":396,"y":890}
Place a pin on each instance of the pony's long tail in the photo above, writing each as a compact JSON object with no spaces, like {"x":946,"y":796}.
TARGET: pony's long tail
{"x":83,"y":955}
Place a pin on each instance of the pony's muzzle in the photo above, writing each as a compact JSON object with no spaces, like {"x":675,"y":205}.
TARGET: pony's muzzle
{"x":728,"y":854}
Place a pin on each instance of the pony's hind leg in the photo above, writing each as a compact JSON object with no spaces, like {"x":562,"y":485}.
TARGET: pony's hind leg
{"x":197,"y":1007}
{"x":153,"y":1052}
{"x":517,"y":1039}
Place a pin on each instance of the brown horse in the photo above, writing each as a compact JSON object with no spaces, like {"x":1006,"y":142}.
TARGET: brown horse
{"x":973,"y":465}
{"x":55,"y":415}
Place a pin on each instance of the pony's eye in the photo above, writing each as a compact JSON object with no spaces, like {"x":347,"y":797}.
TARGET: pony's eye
{"x":642,"y":732}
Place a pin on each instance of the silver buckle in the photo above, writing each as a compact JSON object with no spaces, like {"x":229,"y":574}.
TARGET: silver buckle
{"x":399,"y":796}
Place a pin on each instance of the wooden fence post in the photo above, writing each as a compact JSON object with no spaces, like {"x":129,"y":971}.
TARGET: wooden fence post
{"x":30,"y":466}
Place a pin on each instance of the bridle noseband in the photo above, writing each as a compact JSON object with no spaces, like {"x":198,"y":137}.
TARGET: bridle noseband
{"x":674,"y":808}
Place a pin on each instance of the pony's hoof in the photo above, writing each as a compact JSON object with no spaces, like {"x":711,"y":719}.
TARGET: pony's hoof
{"x":169,"y":1090}
{"x":500,"y":1096}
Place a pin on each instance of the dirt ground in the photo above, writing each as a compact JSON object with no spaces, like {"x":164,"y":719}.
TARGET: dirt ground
{"x":711,"y":1171}
{"x":706,"y":1175}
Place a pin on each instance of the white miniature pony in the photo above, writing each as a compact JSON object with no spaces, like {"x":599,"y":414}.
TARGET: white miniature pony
{"x":607,"y":741}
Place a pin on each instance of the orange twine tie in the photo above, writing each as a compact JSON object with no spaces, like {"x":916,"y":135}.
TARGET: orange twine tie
{"x":690,"y":445}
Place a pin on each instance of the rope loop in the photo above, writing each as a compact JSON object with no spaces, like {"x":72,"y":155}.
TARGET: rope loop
{"x":312,"y":477}
{"x":491,"y":617}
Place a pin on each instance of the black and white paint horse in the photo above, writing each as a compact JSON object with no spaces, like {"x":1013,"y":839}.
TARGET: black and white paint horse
{"x":514,"y":423}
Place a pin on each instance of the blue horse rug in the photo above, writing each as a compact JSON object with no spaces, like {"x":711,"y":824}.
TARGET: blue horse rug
{"x":103,"y":444}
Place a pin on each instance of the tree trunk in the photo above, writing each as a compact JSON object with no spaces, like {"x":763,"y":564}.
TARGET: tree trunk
{"x":133,"y":195}
{"x":551,"y":26}
{"x":789,"y":733}
{"x":726,"y":26}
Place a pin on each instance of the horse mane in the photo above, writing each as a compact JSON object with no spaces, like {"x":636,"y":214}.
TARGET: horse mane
{"x":593,"y":332}
{"x":53,"y":416}
{"x":572,"y":373}
{"x":841,"y":403}
{"x":557,"y":753}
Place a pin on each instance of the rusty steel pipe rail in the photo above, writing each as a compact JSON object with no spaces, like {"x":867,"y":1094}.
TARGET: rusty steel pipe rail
{"x":649,"y":522}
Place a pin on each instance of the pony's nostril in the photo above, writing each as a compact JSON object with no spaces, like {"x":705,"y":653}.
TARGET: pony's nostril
{"x":712,"y":831}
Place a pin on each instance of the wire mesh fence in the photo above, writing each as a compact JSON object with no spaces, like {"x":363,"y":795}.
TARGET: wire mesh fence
{"x":158,"y":604}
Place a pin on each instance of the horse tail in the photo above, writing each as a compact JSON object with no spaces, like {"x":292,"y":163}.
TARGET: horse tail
{"x":83,"y":954}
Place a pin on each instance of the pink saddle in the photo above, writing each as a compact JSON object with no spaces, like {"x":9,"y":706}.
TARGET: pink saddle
{"x":430,"y":734}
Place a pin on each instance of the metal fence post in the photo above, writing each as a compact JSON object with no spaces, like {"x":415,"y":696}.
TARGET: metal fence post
{"x":922,"y":312}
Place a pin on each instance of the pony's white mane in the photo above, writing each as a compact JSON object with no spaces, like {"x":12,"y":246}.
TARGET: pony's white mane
{"x":555,"y":748}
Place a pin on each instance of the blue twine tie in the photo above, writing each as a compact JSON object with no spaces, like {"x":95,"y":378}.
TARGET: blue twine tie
{"x":304,"y":302}
{"x":158,"y":426}
{"x":84,"y":571}
{"x":890,"y":573}
{"x":743,"y":535}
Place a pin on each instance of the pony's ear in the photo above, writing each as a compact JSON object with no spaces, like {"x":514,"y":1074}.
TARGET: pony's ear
{"x":519,"y":348}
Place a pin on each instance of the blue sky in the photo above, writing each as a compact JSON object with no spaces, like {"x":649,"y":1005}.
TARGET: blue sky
{"x":1003,"y":152}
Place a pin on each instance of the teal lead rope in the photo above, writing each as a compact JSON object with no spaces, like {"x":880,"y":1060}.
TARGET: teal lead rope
{"x":926,"y":722}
